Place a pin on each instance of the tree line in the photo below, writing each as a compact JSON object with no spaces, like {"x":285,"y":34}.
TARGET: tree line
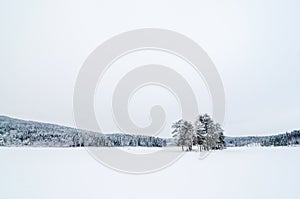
{"x":203,"y":133}
{"x":14,"y":132}
{"x":285,"y":139}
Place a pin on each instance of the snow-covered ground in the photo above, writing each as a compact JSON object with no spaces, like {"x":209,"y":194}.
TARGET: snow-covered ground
{"x":73,"y":173}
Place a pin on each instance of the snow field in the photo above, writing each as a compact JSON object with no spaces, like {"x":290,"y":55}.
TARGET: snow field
{"x":73,"y":173}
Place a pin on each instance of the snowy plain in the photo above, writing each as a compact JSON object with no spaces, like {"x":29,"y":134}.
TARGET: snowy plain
{"x":249,"y":172}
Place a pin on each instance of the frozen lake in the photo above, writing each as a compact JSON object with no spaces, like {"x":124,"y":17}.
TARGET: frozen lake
{"x":73,"y":173}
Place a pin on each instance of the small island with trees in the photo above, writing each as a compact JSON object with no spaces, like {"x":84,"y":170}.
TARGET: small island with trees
{"x":204,"y":133}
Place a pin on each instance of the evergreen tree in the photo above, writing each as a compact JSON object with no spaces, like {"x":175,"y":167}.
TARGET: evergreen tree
{"x":220,"y":137}
{"x":208,"y":134}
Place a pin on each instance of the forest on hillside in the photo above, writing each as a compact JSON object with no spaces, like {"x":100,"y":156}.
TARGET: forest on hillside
{"x":15,"y":132}
{"x":284,"y":139}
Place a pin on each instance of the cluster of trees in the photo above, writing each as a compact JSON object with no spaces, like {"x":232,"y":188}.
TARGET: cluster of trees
{"x":285,"y":139}
{"x":204,"y":133}
{"x":14,"y":132}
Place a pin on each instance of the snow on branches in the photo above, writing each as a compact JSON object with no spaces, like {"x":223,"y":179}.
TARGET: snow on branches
{"x":206,"y":134}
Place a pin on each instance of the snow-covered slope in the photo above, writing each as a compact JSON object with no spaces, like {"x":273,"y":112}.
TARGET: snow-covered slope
{"x":15,"y":132}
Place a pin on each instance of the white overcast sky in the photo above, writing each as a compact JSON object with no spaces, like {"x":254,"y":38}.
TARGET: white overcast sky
{"x":255,"y":46}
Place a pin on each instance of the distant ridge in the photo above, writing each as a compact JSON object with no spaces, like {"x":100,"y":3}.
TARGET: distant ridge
{"x":17,"y":132}
{"x":284,"y":139}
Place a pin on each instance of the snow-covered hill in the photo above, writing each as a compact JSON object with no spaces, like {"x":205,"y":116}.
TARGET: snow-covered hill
{"x":284,"y":139}
{"x":15,"y":132}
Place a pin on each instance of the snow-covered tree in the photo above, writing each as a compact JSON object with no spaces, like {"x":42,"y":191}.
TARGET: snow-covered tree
{"x":184,"y":133}
{"x":208,"y":134}
{"x":204,"y":130}
{"x":220,"y":141}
